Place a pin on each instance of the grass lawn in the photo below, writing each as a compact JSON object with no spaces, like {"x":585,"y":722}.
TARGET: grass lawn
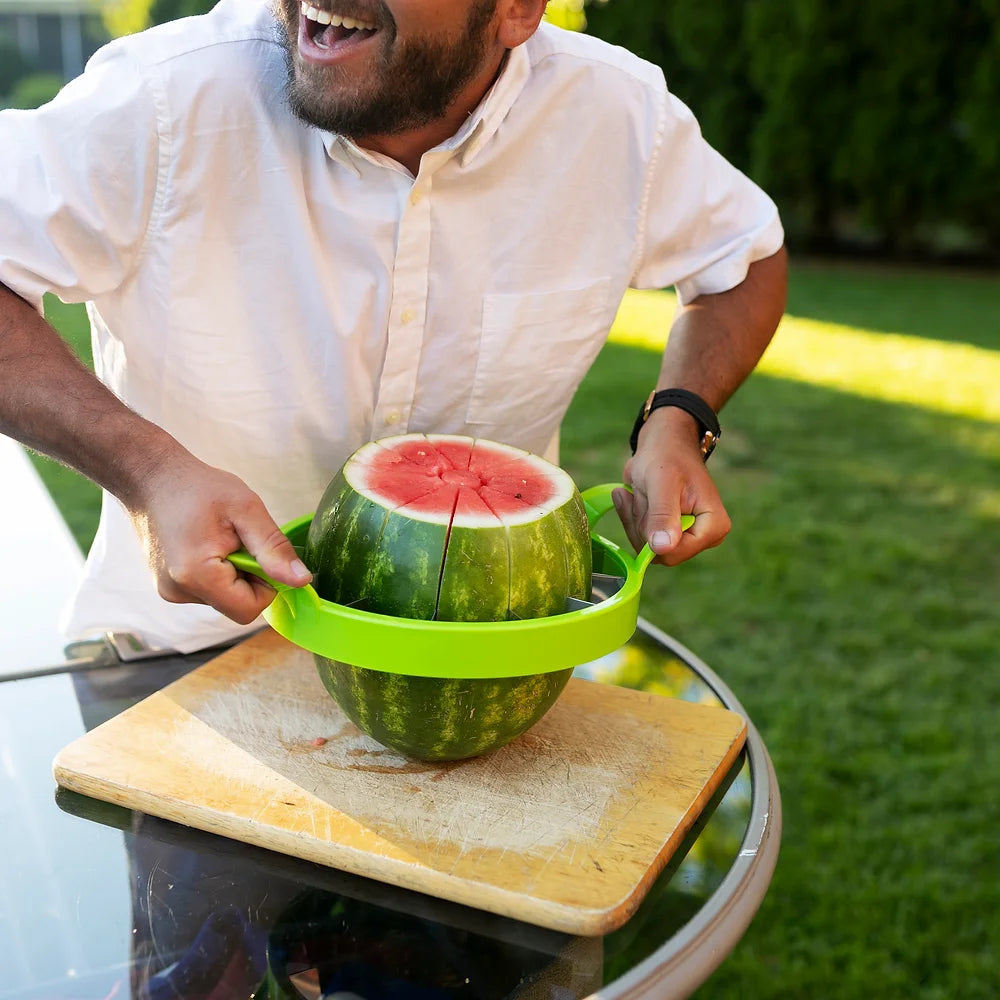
{"x":853,"y":609}
{"x":78,"y":499}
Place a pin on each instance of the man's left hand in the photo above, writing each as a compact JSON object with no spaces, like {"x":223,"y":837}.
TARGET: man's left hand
{"x":669,"y":478}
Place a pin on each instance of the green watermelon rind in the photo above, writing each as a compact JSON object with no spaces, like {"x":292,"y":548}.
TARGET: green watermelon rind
{"x":404,"y":713}
{"x":361,"y":550}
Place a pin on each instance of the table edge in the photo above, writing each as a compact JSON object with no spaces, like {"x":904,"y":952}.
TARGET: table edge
{"x":683,"y":963}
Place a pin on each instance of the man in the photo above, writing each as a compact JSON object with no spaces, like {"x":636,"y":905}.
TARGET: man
{"x":304,"y":227}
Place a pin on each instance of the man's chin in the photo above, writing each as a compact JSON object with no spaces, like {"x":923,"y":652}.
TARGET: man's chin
{"x":319,"y":112}
{"x":307,"y":87}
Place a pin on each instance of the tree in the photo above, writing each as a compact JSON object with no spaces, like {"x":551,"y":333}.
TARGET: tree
{"x":872,"y":122}
{"x":34,"y":90}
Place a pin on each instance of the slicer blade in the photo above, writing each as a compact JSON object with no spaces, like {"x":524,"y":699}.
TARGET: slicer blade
{"x":607,"y":584}
{"x":603,"y":586}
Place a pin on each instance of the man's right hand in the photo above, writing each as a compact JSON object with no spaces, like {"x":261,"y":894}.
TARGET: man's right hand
{"x":190,"y":517}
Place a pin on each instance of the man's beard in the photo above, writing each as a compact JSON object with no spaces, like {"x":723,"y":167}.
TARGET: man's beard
{"x":411,"y":84}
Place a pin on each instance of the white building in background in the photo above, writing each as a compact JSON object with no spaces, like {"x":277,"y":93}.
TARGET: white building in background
{"x":54,"y":36}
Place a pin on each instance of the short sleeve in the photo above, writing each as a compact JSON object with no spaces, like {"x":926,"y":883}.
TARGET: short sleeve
{"x":704,"y":221}
{"x":78,"y":181}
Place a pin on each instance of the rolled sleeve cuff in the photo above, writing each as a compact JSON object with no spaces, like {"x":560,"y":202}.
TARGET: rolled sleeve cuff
{"x":29,"y":291}
{"x":729,"y":268}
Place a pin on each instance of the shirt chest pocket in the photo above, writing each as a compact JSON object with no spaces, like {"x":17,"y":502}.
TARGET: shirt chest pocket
{"x":534,"y":350}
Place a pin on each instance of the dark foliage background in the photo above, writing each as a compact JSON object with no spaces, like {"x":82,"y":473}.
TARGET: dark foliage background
{"x":875,"y":126}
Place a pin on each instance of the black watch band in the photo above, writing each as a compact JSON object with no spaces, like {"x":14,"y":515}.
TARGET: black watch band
{"x":690,"y":402}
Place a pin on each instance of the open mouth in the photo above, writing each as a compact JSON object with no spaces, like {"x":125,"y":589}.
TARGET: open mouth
{"x":327,"y":30}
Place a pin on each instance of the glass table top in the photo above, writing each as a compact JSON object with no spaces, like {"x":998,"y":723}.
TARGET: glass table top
{"x":98,"y":901}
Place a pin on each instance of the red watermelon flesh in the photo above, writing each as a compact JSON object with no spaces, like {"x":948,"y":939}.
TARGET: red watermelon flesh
{"x":388,"y":520}
{"x":418,"y":473}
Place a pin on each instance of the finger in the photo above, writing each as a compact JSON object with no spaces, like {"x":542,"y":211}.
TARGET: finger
{"x":663,"y":528}
{"x":709,"y":529}
{"x":217,"y":583}
{"x":266,"y":542}
{"x":244,"y":601}
{"x":627,"y":504}
{"x":248,"y":600}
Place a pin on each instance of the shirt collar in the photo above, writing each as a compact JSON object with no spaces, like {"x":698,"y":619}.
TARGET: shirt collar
{"x":475,"y":132}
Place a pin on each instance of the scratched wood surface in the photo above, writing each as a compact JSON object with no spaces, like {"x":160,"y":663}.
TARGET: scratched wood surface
{"x":565,"y":828}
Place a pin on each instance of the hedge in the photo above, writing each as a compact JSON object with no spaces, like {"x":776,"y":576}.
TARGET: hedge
{"x":872,"y":124}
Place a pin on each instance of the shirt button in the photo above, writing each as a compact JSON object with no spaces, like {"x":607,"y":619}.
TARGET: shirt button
{"x":407,"y":316}
{"x":392,"y":417}
{"x":416,"y":196}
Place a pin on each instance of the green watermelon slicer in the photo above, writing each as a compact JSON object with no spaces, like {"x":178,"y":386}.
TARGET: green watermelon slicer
{"x":467,"y":650}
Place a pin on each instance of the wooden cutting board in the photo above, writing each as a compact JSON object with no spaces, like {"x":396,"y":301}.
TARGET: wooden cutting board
{"x":566,"y":827}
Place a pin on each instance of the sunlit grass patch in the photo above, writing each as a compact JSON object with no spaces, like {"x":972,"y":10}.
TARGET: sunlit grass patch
{"x":958,"y":379}
{"x":938,"y":375}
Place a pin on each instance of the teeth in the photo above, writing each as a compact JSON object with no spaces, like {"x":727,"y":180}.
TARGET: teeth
{"x":326,"y":17}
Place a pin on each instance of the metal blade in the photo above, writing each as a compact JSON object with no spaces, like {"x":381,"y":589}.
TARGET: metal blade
{"x":608,"y":584}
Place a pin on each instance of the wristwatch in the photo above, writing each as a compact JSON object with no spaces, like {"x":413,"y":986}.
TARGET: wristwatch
{"x":690,"y":402}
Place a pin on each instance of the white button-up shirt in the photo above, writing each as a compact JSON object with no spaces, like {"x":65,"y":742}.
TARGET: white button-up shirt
{"x":275,"y":296}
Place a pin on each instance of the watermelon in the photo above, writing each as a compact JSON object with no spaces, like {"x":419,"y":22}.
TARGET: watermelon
{"x":454,"y":529}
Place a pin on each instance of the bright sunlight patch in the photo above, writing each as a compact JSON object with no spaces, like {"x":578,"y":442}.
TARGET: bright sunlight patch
{"x":933,"y":374}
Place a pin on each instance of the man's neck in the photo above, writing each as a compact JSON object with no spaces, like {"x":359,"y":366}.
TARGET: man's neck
{"x":407,"y":148}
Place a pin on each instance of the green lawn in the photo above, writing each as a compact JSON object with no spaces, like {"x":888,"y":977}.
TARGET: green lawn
{"x":78,"y":499}
{"x":853,"y":609}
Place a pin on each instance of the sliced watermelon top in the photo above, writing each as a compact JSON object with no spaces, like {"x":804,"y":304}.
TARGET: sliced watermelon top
{"x":449,"y":527}
{"x":458,"y":481}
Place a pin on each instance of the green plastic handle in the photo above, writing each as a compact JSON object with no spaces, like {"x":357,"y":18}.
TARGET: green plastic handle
{"x":295,"y":600}
{"x":597,"y":501}
{"x":471,"y":650}
{"x":242,"y":560}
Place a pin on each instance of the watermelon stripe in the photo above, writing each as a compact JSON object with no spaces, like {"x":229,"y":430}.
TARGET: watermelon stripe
{"x":476,"y":581}
{"x":438,"y":719}
{"x":342,"y":563}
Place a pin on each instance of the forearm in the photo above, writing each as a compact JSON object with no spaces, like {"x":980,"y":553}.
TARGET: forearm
{"x":714,"y":344}
{"x":716,"y":341}
{"x":50,"y":402}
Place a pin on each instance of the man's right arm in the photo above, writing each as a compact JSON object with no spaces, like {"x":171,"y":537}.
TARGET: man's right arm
{"x":189,"y":515}
{"x":78,"y":189}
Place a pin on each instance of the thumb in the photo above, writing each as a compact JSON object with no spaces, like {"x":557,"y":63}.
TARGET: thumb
{"x":663,"y":529}
{"x":276,"y":555}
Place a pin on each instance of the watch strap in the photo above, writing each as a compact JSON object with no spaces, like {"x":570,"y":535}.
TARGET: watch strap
{"x":690,"y":402}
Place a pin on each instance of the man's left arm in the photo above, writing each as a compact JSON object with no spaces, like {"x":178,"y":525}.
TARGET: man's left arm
{"x":715,"y":342}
